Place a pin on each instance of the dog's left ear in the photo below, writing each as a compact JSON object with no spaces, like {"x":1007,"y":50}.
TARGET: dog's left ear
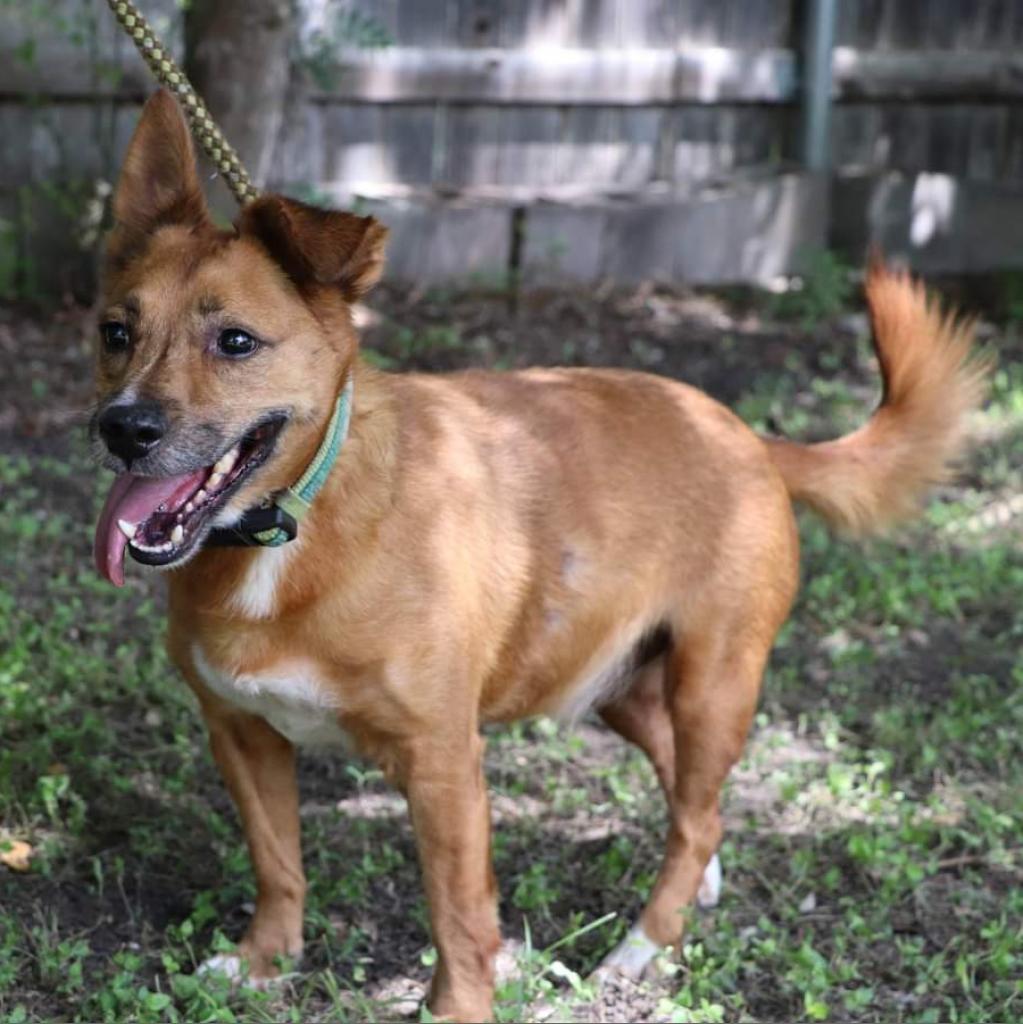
{"x":316,"y":246}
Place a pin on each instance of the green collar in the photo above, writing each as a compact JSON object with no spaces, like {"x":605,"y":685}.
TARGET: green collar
{"x":274,"y":524}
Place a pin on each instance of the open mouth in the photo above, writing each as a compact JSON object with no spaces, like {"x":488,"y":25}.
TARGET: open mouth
{"x":161,"y":520}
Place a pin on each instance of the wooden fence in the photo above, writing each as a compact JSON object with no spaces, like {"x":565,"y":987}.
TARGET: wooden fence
{"x":574,"y":138}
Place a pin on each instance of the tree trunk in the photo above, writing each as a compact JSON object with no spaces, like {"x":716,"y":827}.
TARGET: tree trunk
{"x":238,"y":56}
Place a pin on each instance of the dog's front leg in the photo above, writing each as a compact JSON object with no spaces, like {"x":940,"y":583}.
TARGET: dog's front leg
{"x":447,"y":796}
{"x":258,"y":767}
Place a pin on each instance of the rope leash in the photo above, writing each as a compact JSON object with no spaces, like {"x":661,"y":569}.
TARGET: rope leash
{"x":168,"y":74}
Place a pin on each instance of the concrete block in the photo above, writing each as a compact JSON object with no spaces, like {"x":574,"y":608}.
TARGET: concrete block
{"x":434,"y":241}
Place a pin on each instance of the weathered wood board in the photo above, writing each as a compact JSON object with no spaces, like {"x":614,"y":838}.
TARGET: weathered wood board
{"x":933,"y":223}
{"x":748,"y":231}
{"x":586,"y":114}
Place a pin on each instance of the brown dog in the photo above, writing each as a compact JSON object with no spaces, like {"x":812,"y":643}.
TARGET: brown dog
{"x":485,"y":546}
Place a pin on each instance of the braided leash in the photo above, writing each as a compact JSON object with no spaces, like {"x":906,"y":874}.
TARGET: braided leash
{"x":167,"y":73}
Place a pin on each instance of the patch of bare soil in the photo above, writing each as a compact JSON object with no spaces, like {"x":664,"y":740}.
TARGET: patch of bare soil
{"x":717,"y":345}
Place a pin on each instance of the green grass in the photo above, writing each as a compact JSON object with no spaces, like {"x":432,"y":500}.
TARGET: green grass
{"x":874,"y":851}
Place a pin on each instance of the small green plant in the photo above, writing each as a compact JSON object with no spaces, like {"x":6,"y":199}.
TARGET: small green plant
{"x":1011,"y":289}
{"x":821,"y":289}
{"x":535,"y":891}
{"x":408,"y":346}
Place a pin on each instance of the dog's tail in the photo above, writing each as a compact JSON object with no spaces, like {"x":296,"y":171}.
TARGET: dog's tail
{"x":871,"y":478}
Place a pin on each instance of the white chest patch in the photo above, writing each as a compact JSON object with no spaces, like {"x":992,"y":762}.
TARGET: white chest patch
{"x":256,"y":595}
{"x":290,"y":696}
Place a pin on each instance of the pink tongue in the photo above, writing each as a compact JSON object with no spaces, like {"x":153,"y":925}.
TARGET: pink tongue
{"x":135,"y":499}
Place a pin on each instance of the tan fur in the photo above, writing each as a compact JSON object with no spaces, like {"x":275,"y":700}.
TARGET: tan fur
{"x":877,"y":475}
{"x":480,"y":540}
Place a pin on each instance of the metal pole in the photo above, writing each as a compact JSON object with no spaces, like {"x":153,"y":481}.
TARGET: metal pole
{"x":818,"y":41}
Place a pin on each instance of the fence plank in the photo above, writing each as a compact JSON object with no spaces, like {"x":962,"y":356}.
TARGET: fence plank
{"x":425,"y":23}
{"x":364,"y":144}
{"x":610,"y":147}
{"x":471,"y":147}
{"x":530,"y":145}
{"x":440,"y":241}
{"x":984,"y":231}
{"x":978,"y":141}
{"x":752,"y":230}
{"x":537,"y":23}
{"x":931,"y":75}
{"x":710,"y":142}
{"x":477,"y":23}
{"x":580,"y":77}
{"x":704,"y":22}
{"x":985,"y":147}
{"x":576,"y":76}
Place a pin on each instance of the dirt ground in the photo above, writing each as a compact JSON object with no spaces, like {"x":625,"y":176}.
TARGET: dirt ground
{"x":873,"y":864}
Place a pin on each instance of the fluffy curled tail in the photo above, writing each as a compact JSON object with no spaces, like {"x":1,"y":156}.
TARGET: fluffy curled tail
{"x":871,"y":478}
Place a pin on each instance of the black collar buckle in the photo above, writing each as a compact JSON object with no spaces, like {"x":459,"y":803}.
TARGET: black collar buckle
{"x":256,"y":521}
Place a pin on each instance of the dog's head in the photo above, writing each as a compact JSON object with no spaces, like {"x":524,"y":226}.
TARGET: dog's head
{"x":220,"y":353}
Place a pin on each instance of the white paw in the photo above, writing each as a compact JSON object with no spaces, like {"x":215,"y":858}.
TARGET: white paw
{"x":709,"y":893}
{"x":507,"y":963}
{"x":631,"y":956}
{"x":228,"y":964}
{"x":234,"y":968}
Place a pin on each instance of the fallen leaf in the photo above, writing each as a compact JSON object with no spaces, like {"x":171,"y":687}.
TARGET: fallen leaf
{"x":16,"y":854}
{"x":808,"y":903}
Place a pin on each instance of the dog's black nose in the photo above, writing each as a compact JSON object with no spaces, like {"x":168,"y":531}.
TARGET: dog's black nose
{"x":133,"y":430}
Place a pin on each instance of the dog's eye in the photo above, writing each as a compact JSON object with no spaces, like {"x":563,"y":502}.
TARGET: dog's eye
{"x":116,"y":337}
{"x":236,"y":343}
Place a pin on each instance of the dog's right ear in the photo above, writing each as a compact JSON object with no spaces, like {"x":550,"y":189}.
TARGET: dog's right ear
{"x":158,"y":184}
{"x":316,"y":246}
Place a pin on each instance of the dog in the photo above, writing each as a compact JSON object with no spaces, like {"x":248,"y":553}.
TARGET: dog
{"x":480,"y":547}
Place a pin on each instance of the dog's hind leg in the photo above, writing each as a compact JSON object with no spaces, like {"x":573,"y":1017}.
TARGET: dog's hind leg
{"x":712,"y":686}
{"x":641,"y":716}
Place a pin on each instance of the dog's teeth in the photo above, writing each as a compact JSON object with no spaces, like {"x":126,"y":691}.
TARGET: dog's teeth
{"x":177,"y":534}
{"x":200,"y":497}
{"x":189,"y":507}
{"x":215,"y":480}
{"x":128,"y":529}
{"x":226,"y":462}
